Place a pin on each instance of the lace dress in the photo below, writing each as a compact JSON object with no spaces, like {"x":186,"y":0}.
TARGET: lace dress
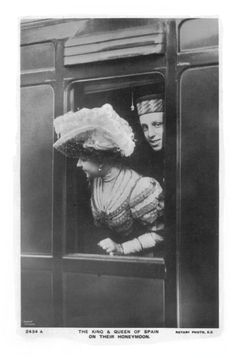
{"x":131,"y":206}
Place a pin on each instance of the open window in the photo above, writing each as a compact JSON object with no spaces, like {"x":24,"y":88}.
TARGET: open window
{"x":121,"y":93}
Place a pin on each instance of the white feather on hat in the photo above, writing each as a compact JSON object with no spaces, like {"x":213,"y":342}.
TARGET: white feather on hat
{"x":100,"y":128}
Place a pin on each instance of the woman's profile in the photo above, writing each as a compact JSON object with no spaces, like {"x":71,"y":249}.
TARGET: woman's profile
{"x":125,"y":203}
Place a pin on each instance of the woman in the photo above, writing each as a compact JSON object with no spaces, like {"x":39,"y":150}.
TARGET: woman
{"x":129,"y":205}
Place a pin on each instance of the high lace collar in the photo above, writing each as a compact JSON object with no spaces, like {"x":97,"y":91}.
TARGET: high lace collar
{"x":111,"y":174}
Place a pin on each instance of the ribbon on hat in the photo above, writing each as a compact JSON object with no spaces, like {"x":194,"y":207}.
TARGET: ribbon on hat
{"x":149,"y":104}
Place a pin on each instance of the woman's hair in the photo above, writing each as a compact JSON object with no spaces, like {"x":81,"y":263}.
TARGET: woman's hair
{"x":101,"y":157}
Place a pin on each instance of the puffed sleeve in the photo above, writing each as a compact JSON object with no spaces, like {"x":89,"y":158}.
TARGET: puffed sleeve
{"x":147,"y":207}
{"x":146,"y":201}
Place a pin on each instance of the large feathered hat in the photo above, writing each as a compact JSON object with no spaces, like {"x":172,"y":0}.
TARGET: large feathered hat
{"x":99,"y":128}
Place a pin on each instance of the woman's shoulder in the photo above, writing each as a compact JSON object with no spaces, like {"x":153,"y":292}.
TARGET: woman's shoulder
{"x":145,"y":188}
{"x":146,"y":200}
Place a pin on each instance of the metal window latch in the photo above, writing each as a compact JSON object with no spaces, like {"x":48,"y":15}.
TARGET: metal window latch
{"x":132,"y":99}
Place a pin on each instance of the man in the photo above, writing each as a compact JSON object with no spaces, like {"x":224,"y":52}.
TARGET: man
{"x":150,"y":110}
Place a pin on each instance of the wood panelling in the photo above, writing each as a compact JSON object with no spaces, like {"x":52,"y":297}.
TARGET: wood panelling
{"x":114,"y":44}
{"x":36,"y":299}
{"x":37,"y":110}
{"x":198,"y":272}
{"x":108,"y":301}
{"x":37,"y":57}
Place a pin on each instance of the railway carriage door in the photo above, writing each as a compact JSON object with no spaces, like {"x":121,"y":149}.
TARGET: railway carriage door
{"x":61,"y":284}
{"x":198,"y":173}
{"x":117,"y":291}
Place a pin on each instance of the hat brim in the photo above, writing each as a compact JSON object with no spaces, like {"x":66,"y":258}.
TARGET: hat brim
{"x":70,"y":144}
{"x":152,"y":116}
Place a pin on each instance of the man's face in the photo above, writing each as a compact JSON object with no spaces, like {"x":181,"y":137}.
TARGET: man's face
{"x":152,"y":126}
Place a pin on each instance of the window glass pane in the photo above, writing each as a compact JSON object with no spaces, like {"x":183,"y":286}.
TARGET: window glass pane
{"x":36,"y":168}
{"x":36,"y":57}
{"x":198,"y":33}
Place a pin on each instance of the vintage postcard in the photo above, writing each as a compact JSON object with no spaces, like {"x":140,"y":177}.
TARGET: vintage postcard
{"x":119,"y":177}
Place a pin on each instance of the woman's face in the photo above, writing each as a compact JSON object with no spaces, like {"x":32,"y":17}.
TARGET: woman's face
{"x":152,"y":126}
{"x":90,"y":168}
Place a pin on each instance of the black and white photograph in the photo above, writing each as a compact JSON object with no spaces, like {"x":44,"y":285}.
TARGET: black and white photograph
{"x":119,"y":175}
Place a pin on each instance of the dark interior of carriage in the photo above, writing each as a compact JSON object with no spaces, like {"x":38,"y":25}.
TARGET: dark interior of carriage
{"x":121,"y":94}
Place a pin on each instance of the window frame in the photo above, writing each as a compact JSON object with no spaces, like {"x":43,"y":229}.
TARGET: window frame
{"x":115,"y":261}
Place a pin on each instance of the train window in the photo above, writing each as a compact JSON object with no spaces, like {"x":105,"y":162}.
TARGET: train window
{"x":37,"y":57}
{"x":36,"y":168}
{"x":198,"y":33}
{"x":82,"y":235}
